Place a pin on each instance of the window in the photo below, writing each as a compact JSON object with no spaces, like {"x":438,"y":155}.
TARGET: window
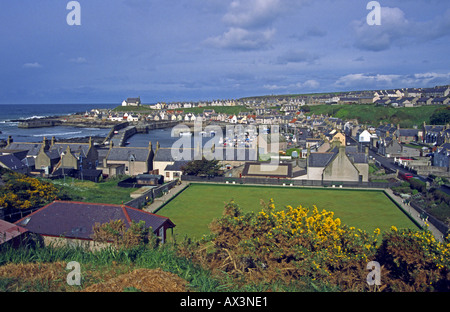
{"x":167,"y":174}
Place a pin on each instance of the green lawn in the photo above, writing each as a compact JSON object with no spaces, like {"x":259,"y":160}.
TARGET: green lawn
{"x":86,"y":191}
{"x":194,"y":209}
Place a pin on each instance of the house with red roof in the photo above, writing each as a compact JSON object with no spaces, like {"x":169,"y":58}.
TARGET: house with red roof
{"x":72,"y":222}
{"x":12,"y":234}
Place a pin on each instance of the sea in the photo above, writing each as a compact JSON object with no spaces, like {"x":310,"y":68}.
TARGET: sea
{"x":10,"y":114}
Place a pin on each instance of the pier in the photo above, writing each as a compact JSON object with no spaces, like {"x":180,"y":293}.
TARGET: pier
{"x":120,"y":133}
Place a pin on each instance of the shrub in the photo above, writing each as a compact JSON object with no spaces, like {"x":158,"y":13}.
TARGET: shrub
{"x":115,"y":232}
{"x":299,"y":245}
{"x":288,"y":245}
{"x":414,"y":261}
{"x":416,"y":184}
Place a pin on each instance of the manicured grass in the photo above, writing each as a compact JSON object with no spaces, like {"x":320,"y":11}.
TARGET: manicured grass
{"x":194,"y":209}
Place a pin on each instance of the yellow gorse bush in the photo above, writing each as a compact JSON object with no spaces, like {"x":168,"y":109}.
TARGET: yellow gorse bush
{"x":296,"y":242}
{"x":22,"y":192}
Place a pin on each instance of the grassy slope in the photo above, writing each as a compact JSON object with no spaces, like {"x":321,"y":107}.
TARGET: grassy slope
{"x":105,"y":192}
{"x":196,"y":110}
{"x":192,"y":211}
{"x":371,"y":114}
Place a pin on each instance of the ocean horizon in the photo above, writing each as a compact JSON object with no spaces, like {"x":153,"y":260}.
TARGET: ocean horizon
{"x":9,"y":113}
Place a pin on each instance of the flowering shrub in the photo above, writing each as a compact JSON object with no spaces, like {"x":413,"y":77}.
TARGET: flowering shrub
{"x":415,"y":261}
{"x":22,"y":192}
{"x":297,"y":244}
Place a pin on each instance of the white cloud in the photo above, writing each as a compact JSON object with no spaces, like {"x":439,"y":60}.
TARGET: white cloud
{"x":309,"y":85}
{"x":78,"y":60}
{"x":252,"y":13}
{"x":250,"y":23}
{"x":373,"y":81}
{"x":242,"y":39}
{"x":357,"y":80}
{"x":32,"y":65}
{"x":397,"y":30}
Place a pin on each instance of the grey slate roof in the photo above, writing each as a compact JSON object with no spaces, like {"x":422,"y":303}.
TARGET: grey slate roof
{"x":126,"y":153}
{"x":236,"y":154}
{"x":176,"y":166}
{"x":408,"y":132}
{"x":12,"y":162}
{"x":76,"y":220}
{"x":320,"y":159}
{"x":32,"y":148}
{"x":76,"y":149}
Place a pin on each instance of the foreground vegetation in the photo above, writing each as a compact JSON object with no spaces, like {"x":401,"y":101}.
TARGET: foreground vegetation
{"x":295,"y":249}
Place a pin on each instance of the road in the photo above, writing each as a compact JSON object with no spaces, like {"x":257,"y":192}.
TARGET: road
{"x":386,"y":162}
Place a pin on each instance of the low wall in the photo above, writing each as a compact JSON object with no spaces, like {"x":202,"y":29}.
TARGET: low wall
{"x":288,"y":182}
{"x":151,"y":194}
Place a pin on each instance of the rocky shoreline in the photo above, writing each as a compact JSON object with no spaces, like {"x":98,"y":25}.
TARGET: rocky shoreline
{"x":77,"y":121}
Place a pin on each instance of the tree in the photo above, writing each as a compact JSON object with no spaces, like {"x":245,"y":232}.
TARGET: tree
{"x":202,"y":167}
{"x":441,"y":116}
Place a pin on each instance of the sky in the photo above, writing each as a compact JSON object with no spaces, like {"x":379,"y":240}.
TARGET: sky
{"x":204,"y":50}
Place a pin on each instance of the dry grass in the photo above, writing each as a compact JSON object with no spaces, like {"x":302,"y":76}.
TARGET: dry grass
{"x":145,"y":280}
{"x":51,"y":277}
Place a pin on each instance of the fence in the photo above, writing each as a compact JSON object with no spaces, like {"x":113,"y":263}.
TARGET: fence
{"x":288,"y":182}
{"x":430,"y":219}
{"x":151,"y":194}
{"x":14,"y":215}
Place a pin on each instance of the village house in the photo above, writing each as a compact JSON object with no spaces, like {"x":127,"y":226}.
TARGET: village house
{"x":13,"y":163}
{"x":163,"y":163}
{"x":55,"y":155}
{"x":338,"y":164}
{"x":136,"y":160}
{"x":442,"y":91}
{"x":132,"y":102}
{"x":12,"y":234}
{"x":408,"y":135}
{"x":434,"y":134}
{"x":390,"y":147}
{"x":441,"y":157}
{"x":71,"y":223}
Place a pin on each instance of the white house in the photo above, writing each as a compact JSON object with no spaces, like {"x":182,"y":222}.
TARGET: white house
{"x":364,"y":137}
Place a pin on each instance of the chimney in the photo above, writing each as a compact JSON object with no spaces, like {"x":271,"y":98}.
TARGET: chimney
{"x":53,"y":141}
{"x":10,"y":140}
{"x":157,"y":146}
{"x":45,"y":144}
{"x":150,"y":146}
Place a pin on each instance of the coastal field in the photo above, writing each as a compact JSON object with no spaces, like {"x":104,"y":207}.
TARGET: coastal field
{"x":194,"y":209}
{"x":407,"y":117}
